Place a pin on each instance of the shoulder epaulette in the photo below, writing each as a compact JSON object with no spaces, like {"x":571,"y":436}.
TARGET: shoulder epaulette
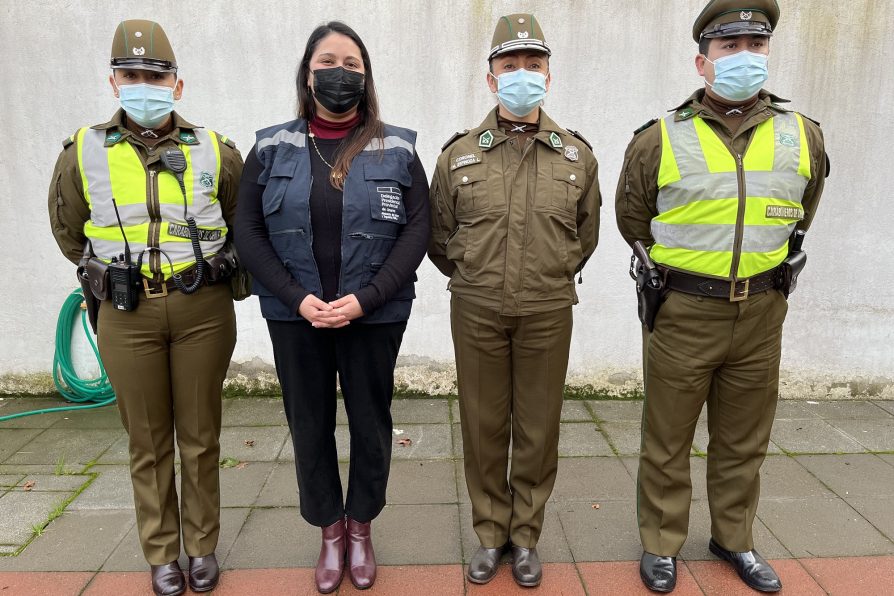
{"x":809,"y":118}
{"x":68,"y":141}
{"x":580,"y":137}
{"x":228,"y":142}
{"x":453,"y":139}
{"x":648,"y":124}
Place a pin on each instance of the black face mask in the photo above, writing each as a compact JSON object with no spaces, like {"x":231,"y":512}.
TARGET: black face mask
{"x":338,"y":90}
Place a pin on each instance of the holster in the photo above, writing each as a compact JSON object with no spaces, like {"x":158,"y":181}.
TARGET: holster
{"x":93,"y":275}
{"x":648,"y":298}
{"x":788,"y":271}
{"x":226,"y":264}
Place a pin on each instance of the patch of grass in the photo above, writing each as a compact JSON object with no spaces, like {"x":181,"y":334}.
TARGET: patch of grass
{"x":60,"y":466}
{"x":588,"y":391}
{"x":229,"y":462}
{"x":37,"y":529}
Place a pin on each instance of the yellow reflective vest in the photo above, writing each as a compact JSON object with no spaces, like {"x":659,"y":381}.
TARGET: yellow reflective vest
{"x":150,"y":203}
{"x":726,"y":215}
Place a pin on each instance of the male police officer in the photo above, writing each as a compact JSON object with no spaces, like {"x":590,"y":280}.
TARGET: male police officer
{"x":716,"y":191}
{"x":515,"y":215}
{"x":171,"y":353}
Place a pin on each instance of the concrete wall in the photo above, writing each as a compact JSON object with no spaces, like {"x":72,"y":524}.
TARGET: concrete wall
{"x":615,"y":65}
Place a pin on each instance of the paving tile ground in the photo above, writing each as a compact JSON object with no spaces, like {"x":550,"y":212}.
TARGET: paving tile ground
{"x":825,"y":519}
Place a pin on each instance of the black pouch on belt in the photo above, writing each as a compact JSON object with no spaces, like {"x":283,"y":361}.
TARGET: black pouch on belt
{"x":93,"y":276}
{"x":787,"y":274}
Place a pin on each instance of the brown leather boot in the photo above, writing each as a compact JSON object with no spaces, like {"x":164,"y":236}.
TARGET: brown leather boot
{"x":168,"y":580}
{"x":331,"y":564}
{"x":361,"y":558}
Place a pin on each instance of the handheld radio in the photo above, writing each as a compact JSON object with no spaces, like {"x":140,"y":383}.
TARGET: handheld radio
{"x":124,"y":276}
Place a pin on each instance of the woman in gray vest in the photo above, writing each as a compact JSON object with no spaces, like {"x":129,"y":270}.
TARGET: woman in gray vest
{"x":333,"y":221}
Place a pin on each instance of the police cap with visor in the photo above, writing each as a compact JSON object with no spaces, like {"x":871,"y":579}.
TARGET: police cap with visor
{"x":727,"y":18}
{"x":142,"y":45}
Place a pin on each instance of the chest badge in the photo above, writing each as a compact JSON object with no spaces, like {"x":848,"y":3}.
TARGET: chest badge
{"x":486,"y":139}
{"x":787,"y":139}
{"x":555,"y":141}
{"x":206,"y":179}
{"x":571,"y":153}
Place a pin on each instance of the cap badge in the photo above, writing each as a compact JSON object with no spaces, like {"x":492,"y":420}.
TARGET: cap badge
{"x":523,"y":35}
{"x":555,"y":141}
{"x":745,"y":15}
{"x":139,"y":51}
{"x":571,"y":153}
{"x":486,"y":139}
{"x":138,"y":34}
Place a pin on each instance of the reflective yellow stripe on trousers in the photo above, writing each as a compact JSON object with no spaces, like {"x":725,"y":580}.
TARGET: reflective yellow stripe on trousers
{"x":117,"y":171}
{"x":698,"y":197}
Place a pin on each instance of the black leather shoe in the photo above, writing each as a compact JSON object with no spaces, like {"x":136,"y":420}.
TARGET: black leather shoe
{"x":204,"y":573}
{"x":658,"y":573}
{"x":526,"y":569}
{"x":751,"y":567}
{"x":167,"y":580}
{"x":484,"y":564}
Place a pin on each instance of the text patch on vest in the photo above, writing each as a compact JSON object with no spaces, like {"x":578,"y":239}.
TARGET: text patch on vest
{"x":181,"y":231}
{"x":387,"y":208}
{"x":780,"y":212}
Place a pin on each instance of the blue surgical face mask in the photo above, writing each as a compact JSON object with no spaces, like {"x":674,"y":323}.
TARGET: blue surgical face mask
{"x":148,"y":105}
{"x":521,"y":91}
{"x":740,"y":76}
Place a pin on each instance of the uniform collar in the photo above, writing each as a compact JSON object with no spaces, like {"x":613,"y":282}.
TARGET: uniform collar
{"x":117,"y":131}
{"x":489,"y":134}
{"x":693,"y":105}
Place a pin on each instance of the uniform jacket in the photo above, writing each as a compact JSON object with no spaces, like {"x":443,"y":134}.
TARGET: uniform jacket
{"x":511,"y":230}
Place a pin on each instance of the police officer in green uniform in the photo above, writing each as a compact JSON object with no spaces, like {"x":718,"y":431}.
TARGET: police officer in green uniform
{"x":167,"y":358}
{"x":515,"y":215}
{"x":717,"y":191}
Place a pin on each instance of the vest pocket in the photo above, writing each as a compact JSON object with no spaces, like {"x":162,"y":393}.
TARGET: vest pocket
{"x":405,"y":292}
{"x":281,"y":173}
{"x":385,"y":194}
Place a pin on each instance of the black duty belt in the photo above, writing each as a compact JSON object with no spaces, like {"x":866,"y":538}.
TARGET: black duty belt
{"x":720,"y":288}
{"x":159,"y":289}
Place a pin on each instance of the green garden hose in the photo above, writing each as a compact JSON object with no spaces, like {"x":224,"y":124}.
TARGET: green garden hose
{"x":94,"y":393}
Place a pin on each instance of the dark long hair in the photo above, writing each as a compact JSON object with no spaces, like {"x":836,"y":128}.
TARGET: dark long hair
{"x":370,"y":126}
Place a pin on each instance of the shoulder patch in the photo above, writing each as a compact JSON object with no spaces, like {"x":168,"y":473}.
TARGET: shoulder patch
{"x":645,"y":126}
{"x":580,"y":137}
{"x":451,"y":140}
{"x":188,"y":138}
{"x":685,"y":113}
{"x":226,"y":141}
{"x":68,"y":141}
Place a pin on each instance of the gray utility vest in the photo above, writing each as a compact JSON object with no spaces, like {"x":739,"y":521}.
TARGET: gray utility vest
{"x":373,"y":214}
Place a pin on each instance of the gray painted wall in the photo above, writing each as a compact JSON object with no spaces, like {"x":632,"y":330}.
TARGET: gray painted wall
{"x":615,"y":65}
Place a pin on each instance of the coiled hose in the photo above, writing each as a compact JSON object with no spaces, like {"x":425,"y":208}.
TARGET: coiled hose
{"x":93,"y":393}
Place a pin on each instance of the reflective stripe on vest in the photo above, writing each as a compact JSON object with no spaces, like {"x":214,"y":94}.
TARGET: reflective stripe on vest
{"x":117,"y":171}
{"x":704,"y":211}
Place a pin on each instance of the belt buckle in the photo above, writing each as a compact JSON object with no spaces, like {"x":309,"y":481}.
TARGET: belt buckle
{"x":150,"y":294}
{"x":734,"y":295}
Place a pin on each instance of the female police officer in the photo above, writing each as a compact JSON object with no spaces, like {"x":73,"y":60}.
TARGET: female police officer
{"x":333,"y":222}
{"x":170,"y":353}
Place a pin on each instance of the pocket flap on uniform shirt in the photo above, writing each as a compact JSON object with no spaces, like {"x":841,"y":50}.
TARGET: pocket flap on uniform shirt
{"x":573,"y":175}
{"x":468,"y":175}
{"x":387,"y":169}
{"x":284,"y":164}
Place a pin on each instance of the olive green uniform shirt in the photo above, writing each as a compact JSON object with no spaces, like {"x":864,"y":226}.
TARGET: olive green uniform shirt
{"x":511,"y":227}
{"x":637,"y":194}
{"x":68,"y":208}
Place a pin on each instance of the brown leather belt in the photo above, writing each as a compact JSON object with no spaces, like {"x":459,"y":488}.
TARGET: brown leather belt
{"x":719,"y":288}
{"x":155,"y":289}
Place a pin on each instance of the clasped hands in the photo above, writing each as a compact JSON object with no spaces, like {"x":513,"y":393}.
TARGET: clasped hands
{"x":330,"y":315}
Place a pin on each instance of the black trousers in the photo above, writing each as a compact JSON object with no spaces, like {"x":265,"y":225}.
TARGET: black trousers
{"x":307,"y":362}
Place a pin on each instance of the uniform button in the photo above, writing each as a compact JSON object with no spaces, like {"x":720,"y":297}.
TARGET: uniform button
{"x":572,"y":177}
{"x":465,"y":178}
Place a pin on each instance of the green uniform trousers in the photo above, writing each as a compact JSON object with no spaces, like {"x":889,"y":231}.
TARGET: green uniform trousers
{"x":726,"y":354}
{"x":167,"y":361}
{"x":510,"y":376}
